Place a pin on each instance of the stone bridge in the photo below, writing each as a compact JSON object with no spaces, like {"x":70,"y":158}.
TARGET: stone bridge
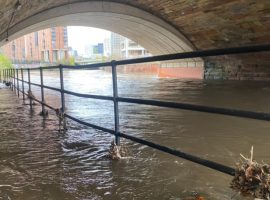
{"x":163,"y":27}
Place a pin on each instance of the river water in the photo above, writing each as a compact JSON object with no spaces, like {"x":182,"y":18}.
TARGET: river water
{"x":38,"y":162}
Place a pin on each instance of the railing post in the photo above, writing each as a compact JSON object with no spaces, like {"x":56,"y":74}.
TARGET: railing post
{"x":13,"y":80}
{"x":0,"y":75}
{"x":4,"y":75}
{"x":10,"y":78}
{"x":22,"y":84}
{"x":18,"y":86}
{"x":43,"y":111}
{"x":29,"y":89}
{"x":7,"y":75}
{"x":62,"y":119}
{"x":115,"y":102}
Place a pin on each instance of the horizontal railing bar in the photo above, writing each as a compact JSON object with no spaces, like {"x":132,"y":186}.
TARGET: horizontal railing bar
{"x":88,"y":66}
{"x":199,"y":108}
{"x":184,"y":55}
{"x":101,"y":97}
{"x":37,"y":100}
{"x":51,"y":88}
{"x":90,"y":125}
{"x":44,"y":86}
{"x":207,"y":163}
{"x":37,"y":68}
{"x":195,"y":159}
{"x":168,"y":104}
{"x":192,"y":158}
{"x":196,"y":54}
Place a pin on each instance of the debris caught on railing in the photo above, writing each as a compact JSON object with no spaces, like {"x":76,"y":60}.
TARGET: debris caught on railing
{"x":30,"y":95}
{"x":252,"y":178}
{"x":44,"y":113}
{"x":117,"y":152}
{"x":61,"y":117}
{"x":7,"y":83}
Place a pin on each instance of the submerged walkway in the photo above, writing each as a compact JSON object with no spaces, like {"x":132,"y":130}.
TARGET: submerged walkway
{"x":36,"y":162}
{"x":30,"y":153}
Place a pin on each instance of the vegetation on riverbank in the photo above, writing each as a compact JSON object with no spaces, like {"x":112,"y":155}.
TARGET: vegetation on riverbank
{"x":70,"y":61}
{"x":5,"y":62}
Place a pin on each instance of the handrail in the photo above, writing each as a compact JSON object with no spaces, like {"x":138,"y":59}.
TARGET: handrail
{"x":210,"y":164}
{"x":168,"y":104}
{"x":10,"y":74}
{"x":192,"y":54}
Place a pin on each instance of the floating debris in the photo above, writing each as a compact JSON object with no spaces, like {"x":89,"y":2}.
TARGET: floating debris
{"x":117,"y":152}
{"x":44,"y":112}
{"x":61,"y":117}
{"x":252,"y":178}
{"x":8,"y":83}
{"x":30,"y":95}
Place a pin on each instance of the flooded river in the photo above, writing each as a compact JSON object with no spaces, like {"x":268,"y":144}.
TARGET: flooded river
{"x":37,"y":162}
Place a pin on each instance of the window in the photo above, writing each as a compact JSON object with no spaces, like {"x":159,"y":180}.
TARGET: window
{"x":13,"y":50}
{"x":23,"y":53}
{"x":36,"y":39}
{"x":53,"y":32}
{"x":65,"y":37}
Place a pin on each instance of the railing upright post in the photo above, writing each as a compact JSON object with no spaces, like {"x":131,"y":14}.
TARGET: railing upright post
{"x":7,"y":75}
{"x":18,"y":86}
{"x":43,"y":112}
{"x":29,"y":89}
{"x":4,"y":75}
{"x":13,"y":85}
{"x":115,"y":102}
{"x":62,"y":113}
{"x":10,"y":78}
{"x":0,"y":75}
{"x":22,"y":84}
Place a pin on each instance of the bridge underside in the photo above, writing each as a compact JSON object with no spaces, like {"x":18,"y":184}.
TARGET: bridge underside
{"x":160,"y":26}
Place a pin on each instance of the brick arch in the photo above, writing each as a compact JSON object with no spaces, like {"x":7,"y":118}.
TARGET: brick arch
{"x":185,"y":25}
{"x":146,"y":29}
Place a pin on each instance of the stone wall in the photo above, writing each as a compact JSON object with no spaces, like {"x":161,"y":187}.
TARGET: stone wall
{"x":244,"y":67}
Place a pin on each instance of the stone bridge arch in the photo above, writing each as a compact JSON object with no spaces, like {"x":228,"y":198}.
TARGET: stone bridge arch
{"x":160,"y":26}
{"x":142,"y":27}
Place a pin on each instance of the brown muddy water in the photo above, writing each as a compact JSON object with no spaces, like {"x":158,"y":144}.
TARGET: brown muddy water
{"x":38,"y":162}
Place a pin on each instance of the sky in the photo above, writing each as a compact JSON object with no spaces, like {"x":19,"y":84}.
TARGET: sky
{"x":79,"y":36}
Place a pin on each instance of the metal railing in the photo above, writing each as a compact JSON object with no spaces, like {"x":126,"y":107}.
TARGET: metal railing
{"x":10,"y":76}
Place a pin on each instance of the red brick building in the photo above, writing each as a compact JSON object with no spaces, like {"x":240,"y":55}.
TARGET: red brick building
{"x":48,"y":45}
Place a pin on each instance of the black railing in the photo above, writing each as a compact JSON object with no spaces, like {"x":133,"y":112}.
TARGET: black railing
{"x":8,"y":75}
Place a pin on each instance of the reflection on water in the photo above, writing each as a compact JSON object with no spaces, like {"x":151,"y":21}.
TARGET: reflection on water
{"x":37,"y":162}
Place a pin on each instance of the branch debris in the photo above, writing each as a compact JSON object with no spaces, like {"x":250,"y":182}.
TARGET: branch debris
{"x":252,"y":178}
{"x":117,"y":152}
